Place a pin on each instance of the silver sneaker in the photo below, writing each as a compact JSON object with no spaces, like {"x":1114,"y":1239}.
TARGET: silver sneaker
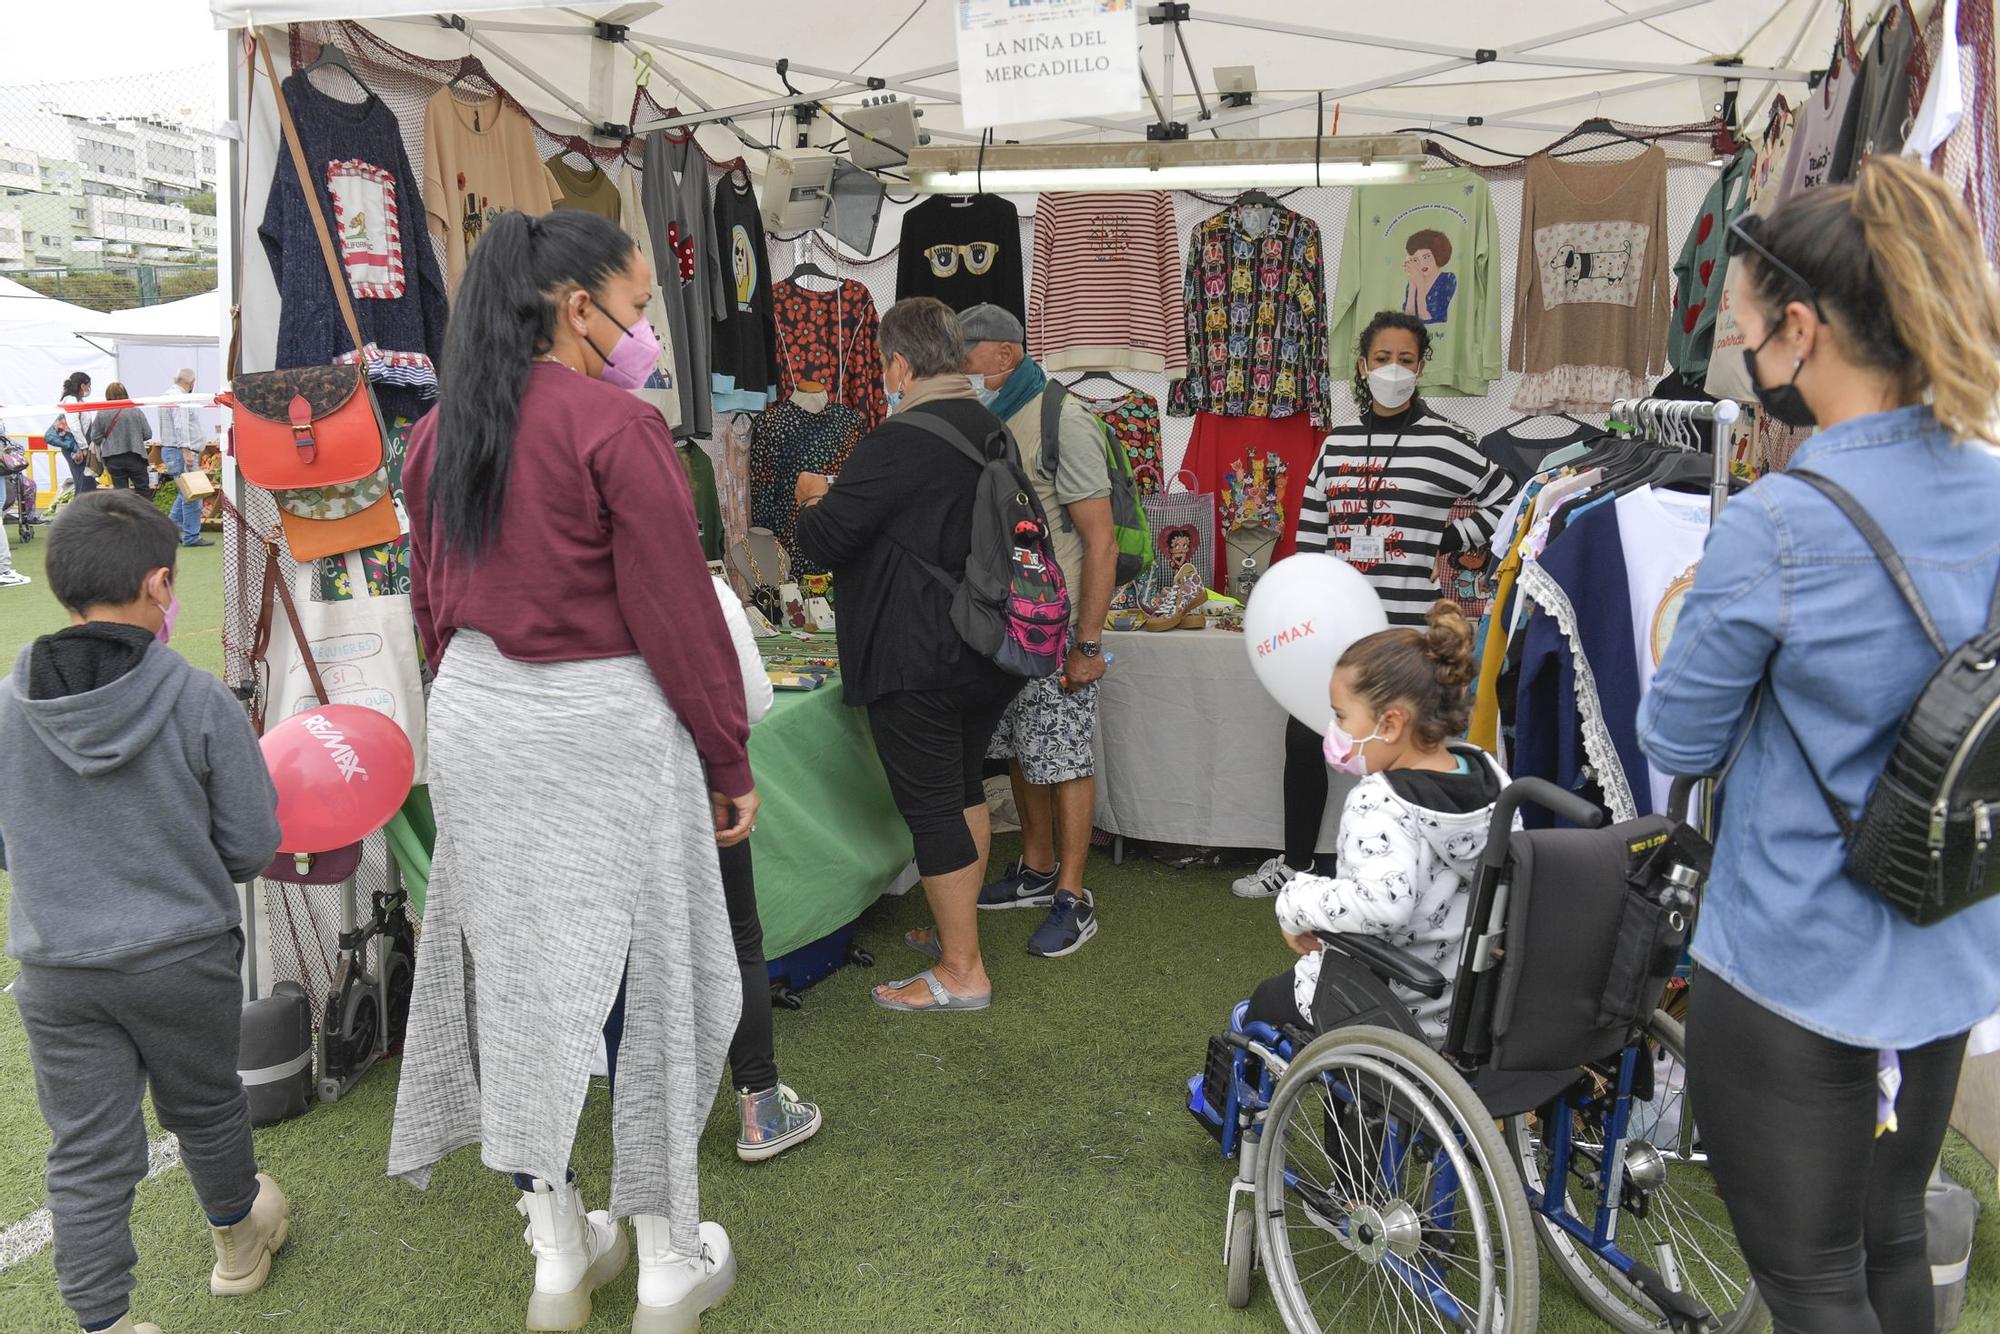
{"x":1265,"y":882}
{"x":773,"y":1121}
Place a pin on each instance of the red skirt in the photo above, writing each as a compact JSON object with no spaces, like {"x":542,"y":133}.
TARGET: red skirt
{"x":1221,"y":443}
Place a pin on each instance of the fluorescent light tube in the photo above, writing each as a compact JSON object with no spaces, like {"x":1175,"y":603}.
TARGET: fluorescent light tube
{"x":1237,"y":164}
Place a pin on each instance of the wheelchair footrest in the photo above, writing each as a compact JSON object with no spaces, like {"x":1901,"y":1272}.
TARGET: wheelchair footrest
{"x":1218,"y":1072}
{"x":1684,"y":1313}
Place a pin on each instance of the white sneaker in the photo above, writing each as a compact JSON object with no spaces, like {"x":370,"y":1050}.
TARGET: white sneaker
{"x":674,"y":1289}
{"x":13,"y":579}
{"x":1265,"y":882}
{"x":576,"y":1252}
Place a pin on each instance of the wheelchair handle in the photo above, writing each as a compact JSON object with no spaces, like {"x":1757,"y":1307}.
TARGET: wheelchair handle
{"x":1682,"y":793}
{"x":1562,"y":804}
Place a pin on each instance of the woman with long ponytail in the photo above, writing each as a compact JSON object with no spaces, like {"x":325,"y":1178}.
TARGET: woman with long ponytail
{"x":587,"y":754}
{"x":1825,"y":1030}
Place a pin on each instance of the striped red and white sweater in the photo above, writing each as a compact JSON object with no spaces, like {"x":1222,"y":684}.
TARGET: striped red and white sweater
{"x":1106,"y":290}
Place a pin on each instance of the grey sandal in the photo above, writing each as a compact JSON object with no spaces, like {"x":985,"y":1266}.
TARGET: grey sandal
{"x":930,"y":949}
{"x":941,"y":999}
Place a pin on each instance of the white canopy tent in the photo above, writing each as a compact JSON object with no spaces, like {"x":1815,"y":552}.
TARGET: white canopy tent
{"x":40,"y":347}
{"x":153,"y":343}
{"x":1518,"y":73}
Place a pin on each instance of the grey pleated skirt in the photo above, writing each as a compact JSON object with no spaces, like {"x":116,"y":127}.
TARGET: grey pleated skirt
{"x":575,"y":846}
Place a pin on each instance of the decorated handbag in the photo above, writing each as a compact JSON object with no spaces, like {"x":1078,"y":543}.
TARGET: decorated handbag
{"x":314,"y":436}
{"x":1183,"y":524}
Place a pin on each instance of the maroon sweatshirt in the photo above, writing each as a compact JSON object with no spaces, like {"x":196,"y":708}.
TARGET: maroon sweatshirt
{"x":597,"y":556}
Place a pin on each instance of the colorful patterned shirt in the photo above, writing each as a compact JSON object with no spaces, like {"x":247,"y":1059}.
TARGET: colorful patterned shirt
{"x":1256,"y":318}
{"x":1134,"y":420}
{"x":830,"y":337}
{"x":787,"y":441}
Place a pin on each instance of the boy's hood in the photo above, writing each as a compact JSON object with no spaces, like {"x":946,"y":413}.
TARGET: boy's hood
{"x":97,"y":731}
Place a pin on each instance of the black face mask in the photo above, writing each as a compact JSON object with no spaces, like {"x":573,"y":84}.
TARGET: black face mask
{"x":1783,"y":402}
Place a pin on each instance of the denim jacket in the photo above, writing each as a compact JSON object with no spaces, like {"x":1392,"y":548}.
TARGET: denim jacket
{"x":1788,"y":586}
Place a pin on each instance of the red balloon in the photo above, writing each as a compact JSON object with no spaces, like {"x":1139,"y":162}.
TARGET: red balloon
{"x":341,"y":771}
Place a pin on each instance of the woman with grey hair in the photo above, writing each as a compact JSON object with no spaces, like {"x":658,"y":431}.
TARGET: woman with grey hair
{"x":902,"y":508}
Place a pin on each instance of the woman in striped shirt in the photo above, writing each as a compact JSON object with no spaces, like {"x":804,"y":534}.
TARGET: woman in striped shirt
{"x":1381,"y":499}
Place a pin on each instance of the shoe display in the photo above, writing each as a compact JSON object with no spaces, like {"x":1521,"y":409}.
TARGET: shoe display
{"x":1020,"y":888}
{"x":674,"y":1289}
{"x":577,"y":1251}
{"x":1072,"y":921}
{"x":1265,"y":882}
{"x":243,"y":1250}
{"x":773,"y":1121}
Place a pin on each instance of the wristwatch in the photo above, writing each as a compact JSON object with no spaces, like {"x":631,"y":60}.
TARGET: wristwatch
{"x":1089,"y":648}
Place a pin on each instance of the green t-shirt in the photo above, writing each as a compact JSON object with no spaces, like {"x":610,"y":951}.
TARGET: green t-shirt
{"x":707,"y":511}
{"x":1428,"y":248}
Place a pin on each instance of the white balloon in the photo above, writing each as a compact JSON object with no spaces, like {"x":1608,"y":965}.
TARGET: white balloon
{"x":1303,"y":614}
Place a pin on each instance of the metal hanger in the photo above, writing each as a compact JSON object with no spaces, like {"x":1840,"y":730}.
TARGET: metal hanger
{"x":332,"y":57}
{"x":1107,"y":376}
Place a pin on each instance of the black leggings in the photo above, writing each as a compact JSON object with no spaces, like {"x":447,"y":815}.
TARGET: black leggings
{"x":1306,"y":788}
{"x":1830,"y":1218}
{"x":128,"y":472}
{"x":753,"y":1063}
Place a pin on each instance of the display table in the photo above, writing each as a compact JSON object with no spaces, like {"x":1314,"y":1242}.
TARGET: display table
{"x":1190,"y":749}
{"x":829,"y":841}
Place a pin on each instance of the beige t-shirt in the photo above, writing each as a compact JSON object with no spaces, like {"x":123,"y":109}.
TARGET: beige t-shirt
{"x":479,"y":162}
{"x":1083,"y":475}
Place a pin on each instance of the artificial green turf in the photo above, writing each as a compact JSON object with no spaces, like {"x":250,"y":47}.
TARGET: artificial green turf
{"x":1030,"y":1168}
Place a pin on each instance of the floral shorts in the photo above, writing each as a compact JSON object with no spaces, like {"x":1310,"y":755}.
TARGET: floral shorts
{"x":1051,"y":731}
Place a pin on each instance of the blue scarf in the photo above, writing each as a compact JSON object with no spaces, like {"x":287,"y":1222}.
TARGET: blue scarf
{"x":1023,"y":387}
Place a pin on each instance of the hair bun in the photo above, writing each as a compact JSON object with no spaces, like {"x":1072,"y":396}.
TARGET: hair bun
{"x":1448,"y":645}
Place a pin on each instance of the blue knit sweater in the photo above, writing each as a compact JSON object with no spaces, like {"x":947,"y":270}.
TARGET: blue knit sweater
{"x":375,"y":208}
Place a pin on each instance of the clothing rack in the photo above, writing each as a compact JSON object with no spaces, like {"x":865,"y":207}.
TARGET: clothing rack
{"x":1676,"y":421}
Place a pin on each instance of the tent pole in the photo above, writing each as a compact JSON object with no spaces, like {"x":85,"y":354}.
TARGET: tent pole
{"x":1606,"y":25}
{"x":582,"y":113}
{"x":900,"y":83}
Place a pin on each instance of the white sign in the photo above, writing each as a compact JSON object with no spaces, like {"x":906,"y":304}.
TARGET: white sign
{"x":1030,"y":60}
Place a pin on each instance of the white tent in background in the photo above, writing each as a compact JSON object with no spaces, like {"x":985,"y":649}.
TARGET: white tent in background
{"x":151,"y":343}
{"x":39,"y":347}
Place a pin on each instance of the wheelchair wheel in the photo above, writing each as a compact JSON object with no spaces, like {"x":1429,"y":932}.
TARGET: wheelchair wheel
{"x":1385,"y":1196}
{"x":1242,"y":1257}
{"x":1672,"y":1216}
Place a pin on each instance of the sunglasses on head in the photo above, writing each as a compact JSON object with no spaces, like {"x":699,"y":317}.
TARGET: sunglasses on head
{"x":1742,"y":237}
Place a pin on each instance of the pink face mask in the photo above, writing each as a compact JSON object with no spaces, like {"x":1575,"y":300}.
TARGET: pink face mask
{"x":172,"y":614}
{"x":634,"y":359}
{"x":1344,"y":753}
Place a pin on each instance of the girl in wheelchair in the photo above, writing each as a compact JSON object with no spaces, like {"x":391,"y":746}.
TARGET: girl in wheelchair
{"x":1413,"y":828}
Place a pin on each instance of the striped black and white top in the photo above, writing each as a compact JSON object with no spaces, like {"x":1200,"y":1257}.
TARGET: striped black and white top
{"x":1381,"y":499}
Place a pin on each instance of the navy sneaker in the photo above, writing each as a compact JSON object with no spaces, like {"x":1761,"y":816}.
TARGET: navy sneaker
{"x":1071,"y":922}
{"x":1020,"y":888}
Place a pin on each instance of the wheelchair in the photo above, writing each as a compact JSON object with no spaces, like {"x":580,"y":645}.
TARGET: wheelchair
{"x":1393,"y":1186}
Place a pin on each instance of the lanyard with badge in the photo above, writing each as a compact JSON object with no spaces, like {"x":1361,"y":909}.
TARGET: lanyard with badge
{"x":1364,"y":544}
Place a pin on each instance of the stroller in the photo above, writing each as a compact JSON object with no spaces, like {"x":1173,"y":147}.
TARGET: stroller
{"x":17,"y":487}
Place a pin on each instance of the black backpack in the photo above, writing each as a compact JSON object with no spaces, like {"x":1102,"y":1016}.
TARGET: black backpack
{"x":1925,"y":838}
{"x":1012,"y":605}
{"x":1128,"y":517}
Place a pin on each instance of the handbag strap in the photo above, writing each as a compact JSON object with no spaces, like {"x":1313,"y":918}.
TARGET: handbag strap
{"x":1899,"y":573}
{"x":274,"y":581}
{"x":1846,"y":822}
{"x":309,"y":187}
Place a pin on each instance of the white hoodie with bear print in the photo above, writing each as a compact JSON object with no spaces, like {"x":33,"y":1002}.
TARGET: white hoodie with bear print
{"x":1403,"y":876}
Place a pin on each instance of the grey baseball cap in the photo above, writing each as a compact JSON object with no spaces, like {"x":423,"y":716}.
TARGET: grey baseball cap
{"x":988,"y":323}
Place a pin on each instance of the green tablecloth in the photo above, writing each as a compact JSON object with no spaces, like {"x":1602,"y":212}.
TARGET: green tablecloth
{"x":829,"y":840}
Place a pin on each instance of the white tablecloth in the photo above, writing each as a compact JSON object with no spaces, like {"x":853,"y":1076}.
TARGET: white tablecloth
{"x":1189,"y":747}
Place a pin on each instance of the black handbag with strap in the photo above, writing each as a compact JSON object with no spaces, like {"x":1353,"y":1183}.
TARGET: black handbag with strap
{"x":1925,"y":838}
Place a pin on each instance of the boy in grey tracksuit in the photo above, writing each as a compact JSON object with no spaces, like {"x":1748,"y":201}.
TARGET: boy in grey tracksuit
{"x":128,"y":938}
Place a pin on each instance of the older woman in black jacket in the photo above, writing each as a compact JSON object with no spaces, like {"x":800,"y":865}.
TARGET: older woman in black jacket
{"x":904,"y":498}
{"x":119,"y":436}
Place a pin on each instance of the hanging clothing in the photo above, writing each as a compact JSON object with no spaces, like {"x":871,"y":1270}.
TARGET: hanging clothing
{"x":370,"y":200}
{"x":680,"y":212}
{"x":1523,"y":455}
{"x":1824,"y":118}
{"x":789,"y":439}
{"x":746,"y":335}
{"x":590,"y":189}
{"x":1429,"y":249}
{"x":1882,"y":99}
{"x":964,"y":252}
{"x":1381,"y":498}
{"x":1107,"y":284}
{"x":1254,"y":297}
{"x":480,"y":161}
{"x":1969,"y":156}
{"x":1702,"y":267}
{"x":1134,"y":421}
{"x":732,"y":475}
{"x":830,"y":337}
{"x":699,"y":470}
{"x":1727,"y":376}
{"x":1592,"y":293}
{"x":660,"y":388}
{"x":1219,"y":444}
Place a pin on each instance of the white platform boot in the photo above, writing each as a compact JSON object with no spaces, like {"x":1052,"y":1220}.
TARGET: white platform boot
{"x":674,"y":1289}
{"x":575,"y":1254}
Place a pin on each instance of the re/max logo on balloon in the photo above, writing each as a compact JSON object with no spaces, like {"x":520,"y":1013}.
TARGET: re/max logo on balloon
{"x":344,"y":758}
{"x":1269,"y":646}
